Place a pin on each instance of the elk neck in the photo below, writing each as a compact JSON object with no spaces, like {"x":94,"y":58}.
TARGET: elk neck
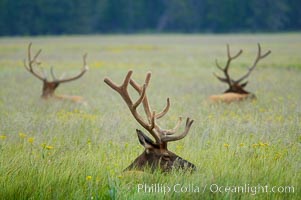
{"x":49,"y":89}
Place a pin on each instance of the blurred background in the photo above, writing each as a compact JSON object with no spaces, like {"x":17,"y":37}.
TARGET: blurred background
{"x":56,"y":17}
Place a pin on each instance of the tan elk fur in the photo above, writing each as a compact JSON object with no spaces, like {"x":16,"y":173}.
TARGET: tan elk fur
{"x":230,"y":97}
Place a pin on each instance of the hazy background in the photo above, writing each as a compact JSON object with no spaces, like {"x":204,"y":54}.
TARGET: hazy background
{"x":55,"y":17}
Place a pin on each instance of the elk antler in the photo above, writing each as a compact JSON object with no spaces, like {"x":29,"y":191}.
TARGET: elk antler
{"x":161,"y":136}
{"x":235,"y":85}
{"x":81,"y":73}
{"x":227,"y":78}
{"x":258,"y":57}
{"x":33,"y":61}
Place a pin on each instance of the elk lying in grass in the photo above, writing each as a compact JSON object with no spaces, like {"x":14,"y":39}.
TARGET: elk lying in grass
{"x":156,"y":155}
{"x":49,"y":87}
{"x":236,"y":91}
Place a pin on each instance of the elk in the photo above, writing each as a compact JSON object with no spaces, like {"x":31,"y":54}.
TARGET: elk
{"x":155,"y":155}
{"x":236,"y":91}
{"x":49,"y":86}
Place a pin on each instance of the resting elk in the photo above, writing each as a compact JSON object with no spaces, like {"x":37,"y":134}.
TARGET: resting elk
{"x":49,"y":87}
{"x":236,"y":91}
{"x":156,"y":155}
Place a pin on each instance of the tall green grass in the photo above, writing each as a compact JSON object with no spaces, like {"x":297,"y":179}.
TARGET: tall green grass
{"x":60,"y":150}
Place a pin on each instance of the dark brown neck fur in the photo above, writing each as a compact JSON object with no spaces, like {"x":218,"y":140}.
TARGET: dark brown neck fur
{"x":49,"y":89}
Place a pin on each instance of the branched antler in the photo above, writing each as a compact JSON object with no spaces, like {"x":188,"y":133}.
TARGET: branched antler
{"x":81,"y":73}
{"x":162,"y":136}
{"x":33,"y":61}
{"x":29,"y":65}
{"x":257,"y":59}
{"x":235,"y":85}
{"x":227,"y":78}
{"x":49,"y":87}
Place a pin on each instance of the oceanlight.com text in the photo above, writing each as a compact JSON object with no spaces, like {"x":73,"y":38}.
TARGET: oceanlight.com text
{"x":251,"y":189}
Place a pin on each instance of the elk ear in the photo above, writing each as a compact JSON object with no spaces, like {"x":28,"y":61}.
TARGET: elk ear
{"x":144,"y":140}
{"x":244,"y":84}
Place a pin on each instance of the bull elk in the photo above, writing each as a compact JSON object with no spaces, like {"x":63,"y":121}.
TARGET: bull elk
{"x":156,"y":155}
{"x":49,"y":87}
{"x":236,"y":91}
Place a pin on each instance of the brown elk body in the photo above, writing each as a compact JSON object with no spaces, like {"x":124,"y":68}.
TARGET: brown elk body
{"x":49,"y":87}
{"x":236,"y":91}
{"x":156,"y":154}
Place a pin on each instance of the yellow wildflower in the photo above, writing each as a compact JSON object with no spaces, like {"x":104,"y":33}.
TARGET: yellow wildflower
{"x":278,"y":156}
{"x":254,"y":145}
{"x":88,"y":178}
{"x":48,"y":147}
{"x":2,"y":137}
{"x":261,"y":144}
{"x":241,"y":144}
{"x":30,"y":140}
{"x":75,"y":111}
{"x":226,"y":145}
{"x":22,"y":135}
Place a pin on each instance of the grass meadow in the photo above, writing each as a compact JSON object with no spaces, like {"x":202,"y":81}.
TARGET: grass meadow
{"x":61,"y":150}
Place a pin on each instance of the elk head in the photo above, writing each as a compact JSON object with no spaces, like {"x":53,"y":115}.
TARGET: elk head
{"x":49,"y":87}
{"x":156,"y":155}
{"x":237,"y":86}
